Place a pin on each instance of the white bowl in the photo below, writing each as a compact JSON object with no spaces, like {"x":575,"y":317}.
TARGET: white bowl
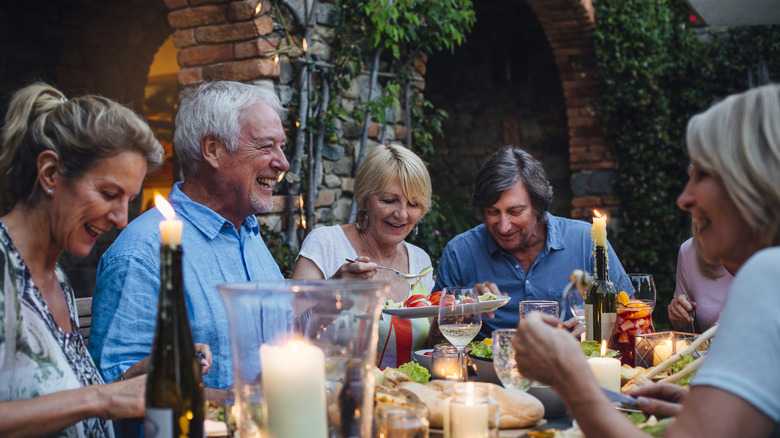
{"x":424,"y":360}
{"x":553,"y":404}
{"x":485,"y":370}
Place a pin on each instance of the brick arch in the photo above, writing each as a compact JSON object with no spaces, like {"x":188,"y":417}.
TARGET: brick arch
{"x":569,"y":26}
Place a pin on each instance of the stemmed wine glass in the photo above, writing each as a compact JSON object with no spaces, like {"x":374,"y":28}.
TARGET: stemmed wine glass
{"x":638,"y":287}
{"x":460,"y":318}
{"x":574,"y":300}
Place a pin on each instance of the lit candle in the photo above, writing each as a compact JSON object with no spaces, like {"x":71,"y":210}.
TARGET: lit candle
{"x":469,"y":419}
{"x":598,"y":232}
{"x":661,"y":352}
{"x":294,"y":389}
{"x":170,"y":228}
{"x":606,"y":369}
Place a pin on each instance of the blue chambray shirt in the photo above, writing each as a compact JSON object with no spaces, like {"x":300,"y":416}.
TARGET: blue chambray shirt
{"x":128,"y":282}
{"x":474,"y":256}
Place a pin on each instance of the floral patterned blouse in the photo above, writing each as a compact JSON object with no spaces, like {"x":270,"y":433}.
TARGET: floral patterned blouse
{"x":36,"y":356}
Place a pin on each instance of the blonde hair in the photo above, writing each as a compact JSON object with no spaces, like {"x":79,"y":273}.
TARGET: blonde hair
{"x":738,"y":140}
{"x":383,"y":165}
{"x":81,"y":131}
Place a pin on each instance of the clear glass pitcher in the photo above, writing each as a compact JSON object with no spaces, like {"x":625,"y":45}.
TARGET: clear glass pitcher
{"x":303,"y":356}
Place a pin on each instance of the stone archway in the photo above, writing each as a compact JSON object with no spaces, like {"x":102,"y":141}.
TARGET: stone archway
{"x":569,"y":25}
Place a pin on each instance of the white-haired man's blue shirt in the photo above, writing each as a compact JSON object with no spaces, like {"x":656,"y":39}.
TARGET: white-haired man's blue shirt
{"x":128,"y":284}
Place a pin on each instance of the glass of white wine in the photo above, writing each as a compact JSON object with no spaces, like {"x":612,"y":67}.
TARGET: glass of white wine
{"x":504,"y":360}
{"x":460,"y":318}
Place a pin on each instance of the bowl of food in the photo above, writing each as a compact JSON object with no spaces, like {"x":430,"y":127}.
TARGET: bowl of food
{"x":484,"y":369}
{"x":552,"y":402}
{"x":423,"y":357}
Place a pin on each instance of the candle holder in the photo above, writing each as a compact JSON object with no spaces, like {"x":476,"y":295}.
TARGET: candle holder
{"x":447,"y":363}
{"x":309,"y":348}
{"x":653,"y":348}
{"x":471,"y":412}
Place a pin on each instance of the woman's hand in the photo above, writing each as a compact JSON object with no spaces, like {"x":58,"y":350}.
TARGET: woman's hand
{"x":362,"y":269}
{"x":679,"y":312}
{"x":204,"y":354}
{"x":544,"y":352}
{"x":125,"y":399}
{"x":661,"y":399}
{"x":574,"y":327}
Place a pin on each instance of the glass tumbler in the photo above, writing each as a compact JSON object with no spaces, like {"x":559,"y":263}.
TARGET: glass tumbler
{"x":401,"y":421}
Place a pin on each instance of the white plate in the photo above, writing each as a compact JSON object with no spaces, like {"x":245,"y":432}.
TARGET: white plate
{"x":433,"y":311}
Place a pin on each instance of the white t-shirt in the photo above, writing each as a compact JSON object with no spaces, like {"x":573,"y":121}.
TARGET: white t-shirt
{"x":328,"y":247}
{"x":744,"y":358}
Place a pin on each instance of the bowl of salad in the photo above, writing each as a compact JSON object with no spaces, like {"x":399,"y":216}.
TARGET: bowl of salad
{"x":481,"y":358}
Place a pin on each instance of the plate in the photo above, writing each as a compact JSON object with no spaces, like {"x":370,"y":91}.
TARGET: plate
{"x":433,"y":311}
{"x":502,"y":433}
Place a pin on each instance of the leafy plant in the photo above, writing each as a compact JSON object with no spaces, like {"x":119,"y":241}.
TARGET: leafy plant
{"x":658,"y":72}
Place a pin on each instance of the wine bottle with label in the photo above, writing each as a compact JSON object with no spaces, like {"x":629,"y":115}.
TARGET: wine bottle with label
{"x":600,"y":300}
{"x":174,"y":386}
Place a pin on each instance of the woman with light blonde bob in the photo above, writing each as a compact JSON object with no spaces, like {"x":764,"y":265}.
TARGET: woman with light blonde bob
{"x":733,"y":196}
{"x":393,"y":192}
{"x":68,"y":170}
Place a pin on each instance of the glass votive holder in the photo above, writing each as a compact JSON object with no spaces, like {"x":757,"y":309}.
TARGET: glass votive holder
{"x":252,"y":412}
{"x":653,"y":348}
{"x":472,"y":412}
{"x":447,"y":363}
{"x":401,"y":421}
{"x":231,"y":410}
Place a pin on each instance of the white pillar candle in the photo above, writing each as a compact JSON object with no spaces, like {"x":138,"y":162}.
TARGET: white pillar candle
{"x":606,"y":370}
{"x":598,"y":232}
{"x":294,"y":390}
{"x":469,"y":419}
{"x":661,"y":352}
{"x":170,"y":228}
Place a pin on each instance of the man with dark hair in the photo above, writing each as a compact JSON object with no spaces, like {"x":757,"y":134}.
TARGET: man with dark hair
{"x":520,"y":249}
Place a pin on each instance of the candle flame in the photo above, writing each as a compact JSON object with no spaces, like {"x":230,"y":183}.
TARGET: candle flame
{"x":603,"y":347}
{"x":470,"y":394}
{"x":596,"y":212}
{"x":304,"y":45}
{"x":164,"y":207}
{"x":258,"y":8}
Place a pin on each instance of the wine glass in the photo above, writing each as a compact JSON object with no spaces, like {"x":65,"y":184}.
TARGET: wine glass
{"x":460,"y":318}
{"x":574,"y":300}
{"x":638,"y":287}
{"x":504,"y":360}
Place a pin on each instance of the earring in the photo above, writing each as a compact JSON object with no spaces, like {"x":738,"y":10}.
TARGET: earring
{"x":361,"y":217}
{"x":49,"y":192}
{"x":416,"y":230}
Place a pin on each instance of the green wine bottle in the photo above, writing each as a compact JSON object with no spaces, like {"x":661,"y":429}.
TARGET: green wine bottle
{"x":600,"y":313}
{"x":174,"y":386}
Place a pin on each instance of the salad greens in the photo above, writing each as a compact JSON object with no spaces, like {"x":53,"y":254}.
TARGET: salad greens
{"x":650,"y":425}
{"x":593,"y":349}
{"x":483,"y":349}
{"x":415,"y":371}
{"x":686,"y":359}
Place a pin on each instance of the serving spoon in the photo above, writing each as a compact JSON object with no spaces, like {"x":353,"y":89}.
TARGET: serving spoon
{"x":411,"y":278}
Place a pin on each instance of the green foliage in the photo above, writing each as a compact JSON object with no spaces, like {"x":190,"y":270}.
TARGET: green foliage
{"x":281,"y":253}
{"x":658,"y":73}
{"x":442,"y":222}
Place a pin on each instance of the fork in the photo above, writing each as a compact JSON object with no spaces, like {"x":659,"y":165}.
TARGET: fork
{"x":407,"y":277}
{"x":692,"y":314}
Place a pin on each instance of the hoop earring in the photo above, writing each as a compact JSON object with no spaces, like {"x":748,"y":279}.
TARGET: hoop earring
{"x":415,"y":230}
{"x":361,"y":217}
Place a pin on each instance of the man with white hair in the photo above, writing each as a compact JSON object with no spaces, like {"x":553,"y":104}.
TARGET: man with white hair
{"x":230,"y":142}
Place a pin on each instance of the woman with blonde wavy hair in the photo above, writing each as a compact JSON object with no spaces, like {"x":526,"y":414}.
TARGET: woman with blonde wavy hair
{"x":68,"y":170}
{"x":733,"y":196}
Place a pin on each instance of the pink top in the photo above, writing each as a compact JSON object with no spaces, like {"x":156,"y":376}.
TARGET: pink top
{"x":708,"y":294}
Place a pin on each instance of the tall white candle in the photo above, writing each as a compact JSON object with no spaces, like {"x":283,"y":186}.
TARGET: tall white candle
{"x":598,"y":232}
{"x":170,"y":228}
{"x":294,"y":390}
{"x":469,"y":419}
{"x":606,"y":370}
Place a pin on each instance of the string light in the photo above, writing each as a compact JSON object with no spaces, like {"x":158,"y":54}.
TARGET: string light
{"x":258,"y":8}
{"x":304,"y":45}
{"x":276,"y":59}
